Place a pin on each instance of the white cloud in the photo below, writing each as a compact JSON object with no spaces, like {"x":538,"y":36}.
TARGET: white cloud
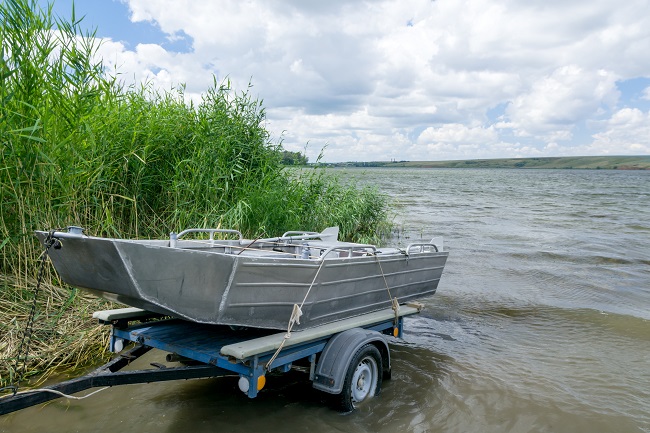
{"x":555,"y":104}
{"x":627,"y":132}
{"x":409,"y":79}
{"x":459,"y":134}
{"x":457,"y":141}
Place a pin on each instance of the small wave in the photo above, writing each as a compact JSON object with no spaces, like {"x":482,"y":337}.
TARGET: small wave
{"x":580,"y":357}
{"x":638,"y":227}
{"x":623,"y":325}
{"x":544,"y":256}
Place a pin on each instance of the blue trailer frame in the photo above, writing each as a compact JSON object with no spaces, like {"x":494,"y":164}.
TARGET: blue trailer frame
{"x":222,"y":350}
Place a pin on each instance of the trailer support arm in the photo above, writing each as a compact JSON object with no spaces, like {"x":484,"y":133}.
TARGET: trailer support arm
{"x":109,"y":375}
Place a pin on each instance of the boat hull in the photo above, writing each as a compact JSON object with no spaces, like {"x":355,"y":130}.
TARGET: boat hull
{"x":243,"y":290}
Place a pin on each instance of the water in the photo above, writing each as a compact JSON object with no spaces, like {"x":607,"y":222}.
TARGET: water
{"x":541,"y":322}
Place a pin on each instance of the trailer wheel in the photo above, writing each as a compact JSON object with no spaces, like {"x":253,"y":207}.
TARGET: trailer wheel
{"x":362,"y":379}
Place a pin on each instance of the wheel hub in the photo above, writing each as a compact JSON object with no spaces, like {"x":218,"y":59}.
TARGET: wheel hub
{"x":361,"y":377}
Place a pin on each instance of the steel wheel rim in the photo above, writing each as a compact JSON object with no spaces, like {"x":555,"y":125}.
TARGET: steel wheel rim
{"x":364,"y":379}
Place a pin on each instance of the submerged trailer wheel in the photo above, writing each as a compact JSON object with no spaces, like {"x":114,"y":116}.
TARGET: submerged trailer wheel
{"x":362,"y":379}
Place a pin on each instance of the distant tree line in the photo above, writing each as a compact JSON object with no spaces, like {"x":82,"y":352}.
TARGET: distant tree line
{"x":364,"y":163}
{"x":294,"y":158}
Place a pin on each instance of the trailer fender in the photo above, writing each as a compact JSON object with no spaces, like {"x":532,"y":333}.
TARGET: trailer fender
{"x":333,"y":362}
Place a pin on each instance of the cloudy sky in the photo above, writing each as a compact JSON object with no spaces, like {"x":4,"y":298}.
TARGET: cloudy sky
{"x":403,"y":79}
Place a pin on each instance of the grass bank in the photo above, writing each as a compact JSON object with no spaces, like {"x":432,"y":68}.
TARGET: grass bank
{"x":79,"y":148}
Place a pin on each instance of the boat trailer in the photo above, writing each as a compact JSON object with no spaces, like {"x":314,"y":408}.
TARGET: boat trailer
{"x":347,"y":358}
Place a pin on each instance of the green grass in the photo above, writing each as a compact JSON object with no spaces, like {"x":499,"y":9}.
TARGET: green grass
{"x":79,"y":148}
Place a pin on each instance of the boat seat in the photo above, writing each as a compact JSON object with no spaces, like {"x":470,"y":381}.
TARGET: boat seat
{"x":266,"y":253}
{"x":386,"y":251}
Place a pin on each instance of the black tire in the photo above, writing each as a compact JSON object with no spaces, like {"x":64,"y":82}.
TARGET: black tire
{"x":362,"y":379}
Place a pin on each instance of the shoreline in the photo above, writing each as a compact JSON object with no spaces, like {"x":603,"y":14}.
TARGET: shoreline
{"x":639,"y":162}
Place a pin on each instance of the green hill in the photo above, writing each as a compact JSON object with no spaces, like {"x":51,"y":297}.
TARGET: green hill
{"x":641,"y":162}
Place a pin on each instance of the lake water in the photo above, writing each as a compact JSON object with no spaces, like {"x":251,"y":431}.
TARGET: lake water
{"x":541,"y":322}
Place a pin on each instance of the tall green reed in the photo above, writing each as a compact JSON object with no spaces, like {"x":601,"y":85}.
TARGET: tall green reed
{"x":80,"y":148}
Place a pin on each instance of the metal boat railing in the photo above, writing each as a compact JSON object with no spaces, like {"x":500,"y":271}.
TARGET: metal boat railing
{"x":173,"y":237}
{"x":422,"y":247}
{"x":212,"y":232}
{"x":306,"y":252}
{"x":350,"y":249}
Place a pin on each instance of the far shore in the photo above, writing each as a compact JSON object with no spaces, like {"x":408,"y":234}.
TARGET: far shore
{"x":641,"y":162}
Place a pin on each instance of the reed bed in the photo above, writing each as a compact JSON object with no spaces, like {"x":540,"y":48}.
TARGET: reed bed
{"x":63,"y":337}
{"x":79,"y":148}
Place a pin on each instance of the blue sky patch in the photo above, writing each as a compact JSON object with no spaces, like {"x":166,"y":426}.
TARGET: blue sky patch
{"x":632,"y":93}
{"x":112,"y":19}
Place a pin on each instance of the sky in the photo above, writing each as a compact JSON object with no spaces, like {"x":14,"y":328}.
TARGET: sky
{"x":415,"y":80}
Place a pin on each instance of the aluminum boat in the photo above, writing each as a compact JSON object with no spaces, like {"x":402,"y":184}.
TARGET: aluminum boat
{"x":259,"y":283}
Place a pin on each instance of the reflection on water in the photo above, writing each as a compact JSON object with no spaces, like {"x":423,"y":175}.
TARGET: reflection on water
{"x":541,"y":322}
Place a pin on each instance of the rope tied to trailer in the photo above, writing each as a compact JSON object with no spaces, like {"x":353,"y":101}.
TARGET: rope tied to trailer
{"x":297,"y":309}
{"x":61,"y":394}
{"x":26,"y":340}
{"x":394,"y":301}
{"x":295,"y":317}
